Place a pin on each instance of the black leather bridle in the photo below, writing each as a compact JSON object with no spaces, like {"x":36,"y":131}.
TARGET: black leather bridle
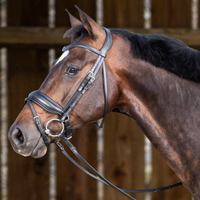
{"x":52,"y":107}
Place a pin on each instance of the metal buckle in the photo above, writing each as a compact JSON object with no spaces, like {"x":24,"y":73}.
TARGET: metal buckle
{"x":36,"y":117}
{"x":91,"y":74}
{"x":47,"y":131}
{"x":70,"y":137}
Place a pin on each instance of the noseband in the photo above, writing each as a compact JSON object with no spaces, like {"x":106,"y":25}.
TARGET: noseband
{"x":52,"y":107}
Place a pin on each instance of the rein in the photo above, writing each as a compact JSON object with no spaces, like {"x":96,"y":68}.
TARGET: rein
{"x":51,"y":106}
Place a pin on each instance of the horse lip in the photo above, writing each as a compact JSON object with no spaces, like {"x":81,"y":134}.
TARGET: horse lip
{"x":22,"y":153}
{"x":35,"y":151}
{"x":39,"y":150}
{"x":19,"y":150}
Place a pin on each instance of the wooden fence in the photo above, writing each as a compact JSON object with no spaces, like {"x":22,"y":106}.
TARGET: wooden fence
{"x":28,"y":38}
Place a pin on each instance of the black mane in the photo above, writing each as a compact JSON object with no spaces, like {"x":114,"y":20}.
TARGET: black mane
{"x":165,"y":52}
{"x":159,"y":50}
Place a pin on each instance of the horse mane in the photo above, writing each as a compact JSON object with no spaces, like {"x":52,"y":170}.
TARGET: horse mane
{"x":160,"y":50}
{"x":165,"y":52}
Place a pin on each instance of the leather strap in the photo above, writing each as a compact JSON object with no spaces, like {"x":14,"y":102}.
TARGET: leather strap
{"x":68,"y":129}
{"x":87,"y":82}
{"x":37,"y":121}
{"x":105,"y":97}
{"x":50,"y":106}
{"x":98,"y":176}
{"x":102,"y":52}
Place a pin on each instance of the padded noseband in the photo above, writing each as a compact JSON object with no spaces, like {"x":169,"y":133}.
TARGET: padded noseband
{"x":45,"y":102}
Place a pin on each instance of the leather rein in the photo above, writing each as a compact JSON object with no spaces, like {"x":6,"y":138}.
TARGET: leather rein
{"x":52,"y":107}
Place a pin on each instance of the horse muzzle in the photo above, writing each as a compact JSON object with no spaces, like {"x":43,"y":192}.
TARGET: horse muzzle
{"x":26,"y":144}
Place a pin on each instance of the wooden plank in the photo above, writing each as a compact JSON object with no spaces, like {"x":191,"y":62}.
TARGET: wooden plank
{"x":126,"y":14}
{"x":122,"y":136}
{"x":34,"y":36}
{"x":0,"y":114}
{"x":71,"y":182}
{"x":123,"y":155}
{"x":88,"y":6}
{"x":198,"y":11}
{"x":162,"y":176}
{"x":0,"y":117}
{"x":171,"y":13}
{"x":27,"y":12}
{"x":27,"y":69}
{"x":40,"y":37}
{"x":1,"y":6}
{"x":168,"y":14}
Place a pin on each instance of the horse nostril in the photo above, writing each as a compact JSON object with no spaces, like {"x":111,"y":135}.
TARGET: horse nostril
{"x":19,"y":136}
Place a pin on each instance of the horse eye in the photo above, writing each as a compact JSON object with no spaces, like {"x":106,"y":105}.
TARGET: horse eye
{"x":72,"y":71}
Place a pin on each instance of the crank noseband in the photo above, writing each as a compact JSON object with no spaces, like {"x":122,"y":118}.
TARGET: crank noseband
{"x":50,"y":106}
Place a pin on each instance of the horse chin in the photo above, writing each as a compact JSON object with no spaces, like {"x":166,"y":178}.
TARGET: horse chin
{"x":40,"y":149}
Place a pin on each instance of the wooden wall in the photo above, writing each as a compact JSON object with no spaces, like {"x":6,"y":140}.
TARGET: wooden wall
{"x":27,"y":178}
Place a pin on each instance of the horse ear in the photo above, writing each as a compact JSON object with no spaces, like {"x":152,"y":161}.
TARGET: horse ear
{"x":93,"y":29}
{"x":73,"y":20}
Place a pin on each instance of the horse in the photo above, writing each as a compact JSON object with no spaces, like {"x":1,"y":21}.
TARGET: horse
{"x":152,"y":78}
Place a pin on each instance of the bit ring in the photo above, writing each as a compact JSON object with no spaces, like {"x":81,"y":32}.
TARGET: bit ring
{"x":47,"y":131}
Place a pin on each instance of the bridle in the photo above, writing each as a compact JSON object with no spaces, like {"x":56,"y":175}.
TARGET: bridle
{"x":52,"y":107}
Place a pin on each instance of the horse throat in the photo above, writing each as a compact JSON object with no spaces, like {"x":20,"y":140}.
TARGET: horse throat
{"x":167,"y":109}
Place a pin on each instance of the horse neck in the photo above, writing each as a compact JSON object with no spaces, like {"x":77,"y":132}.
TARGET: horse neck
{"x":166,"y":107}
{"x":154,"y":94}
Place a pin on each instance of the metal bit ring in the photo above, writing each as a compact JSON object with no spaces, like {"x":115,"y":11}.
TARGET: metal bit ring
{"x":47,"y":131}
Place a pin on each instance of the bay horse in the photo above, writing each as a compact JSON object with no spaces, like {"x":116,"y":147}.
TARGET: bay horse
{"x":154,"y":79}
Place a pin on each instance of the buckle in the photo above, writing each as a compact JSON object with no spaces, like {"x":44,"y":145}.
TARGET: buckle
{"x":36,"y":117}
{"x":91,"y":74}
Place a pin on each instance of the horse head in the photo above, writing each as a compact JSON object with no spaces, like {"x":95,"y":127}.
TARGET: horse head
{"x":66,"y":75}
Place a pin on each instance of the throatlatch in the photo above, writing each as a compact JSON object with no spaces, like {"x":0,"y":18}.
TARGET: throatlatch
{"x":52,"y":107}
